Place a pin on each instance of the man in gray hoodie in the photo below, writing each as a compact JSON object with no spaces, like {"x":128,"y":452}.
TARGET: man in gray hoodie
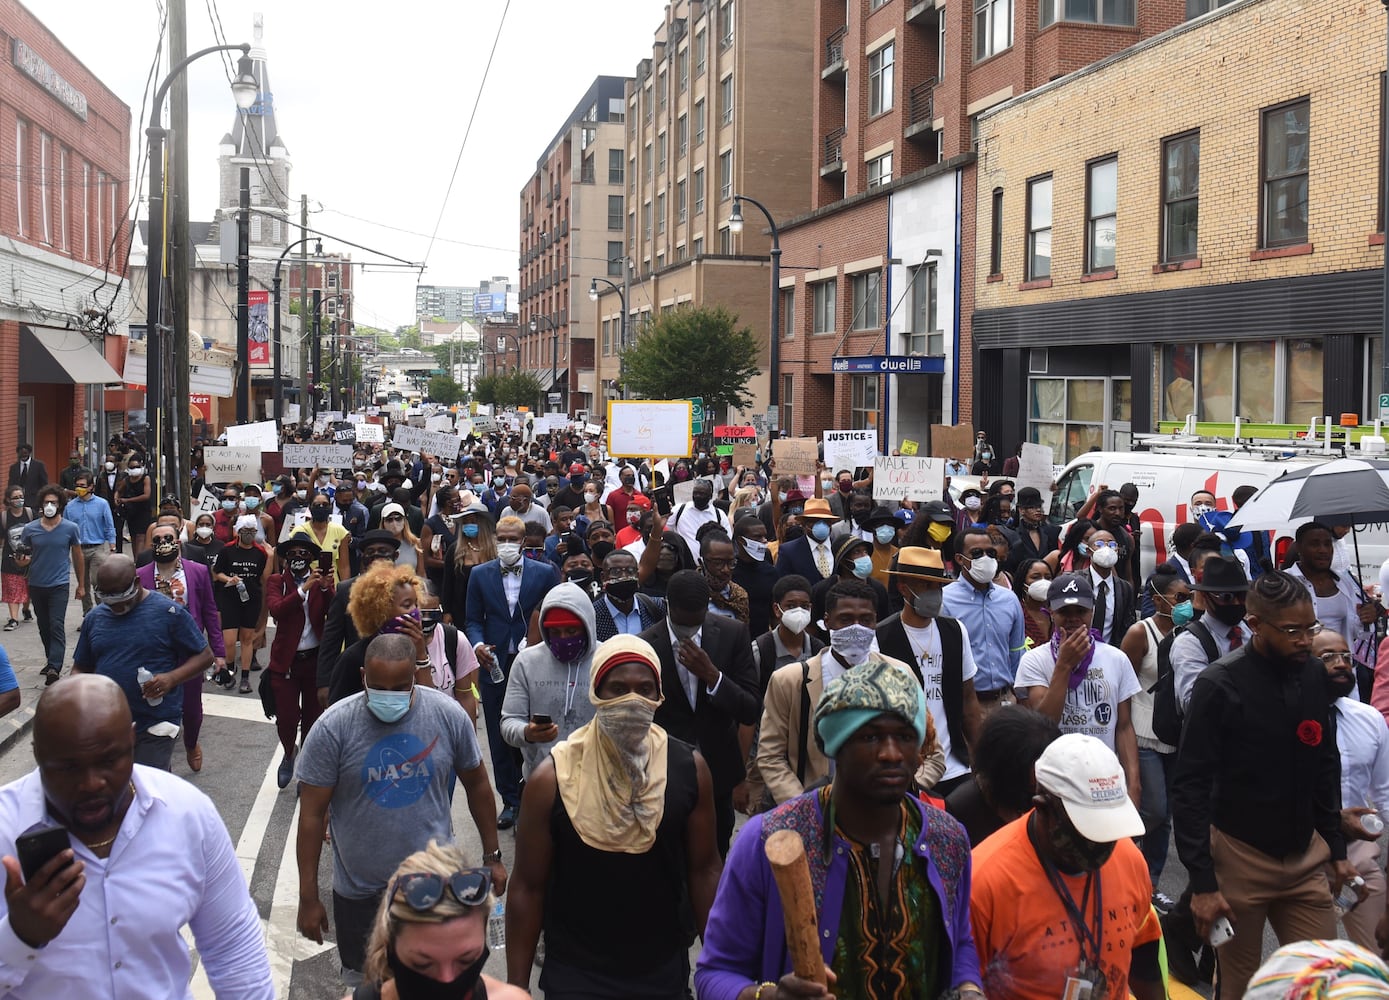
{"x":547,"y":693}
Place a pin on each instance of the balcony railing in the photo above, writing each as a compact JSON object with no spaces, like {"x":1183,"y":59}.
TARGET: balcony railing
{"x":922,"y":102}
{"x":834,"y":148}
{"x":834,"y":49}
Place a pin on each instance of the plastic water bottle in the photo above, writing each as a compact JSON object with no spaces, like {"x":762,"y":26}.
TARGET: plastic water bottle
{"x":144,"y":677}
{"x":242,"y":592}
{"x":1347,"y":899}
{"x":1373,"y":824}
{"x":496,"y":927}
{"x":497,"y":674}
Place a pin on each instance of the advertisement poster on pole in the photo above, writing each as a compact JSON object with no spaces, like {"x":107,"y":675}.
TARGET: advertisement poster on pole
{"x":259,"y":308}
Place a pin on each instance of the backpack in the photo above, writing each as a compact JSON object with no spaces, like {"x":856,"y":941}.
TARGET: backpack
{"x":1167,"y":713}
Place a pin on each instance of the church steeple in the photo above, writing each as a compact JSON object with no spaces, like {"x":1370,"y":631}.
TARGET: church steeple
{"x":255,"y":142}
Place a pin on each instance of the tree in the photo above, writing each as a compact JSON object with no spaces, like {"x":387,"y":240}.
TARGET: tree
{"x":456,"y":353}
{"x":408,"y":336}
{"x":485,"y":388}
{"x":694,"y":352}
{"x":445,"y":390}
{"x":507,"y":389}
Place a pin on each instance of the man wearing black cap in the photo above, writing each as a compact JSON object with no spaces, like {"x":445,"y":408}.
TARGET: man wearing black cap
{"x":1036,"y":536}
{"x":338,"y":631}
{"x":1219,"y":593}
{"x":298,"y":598}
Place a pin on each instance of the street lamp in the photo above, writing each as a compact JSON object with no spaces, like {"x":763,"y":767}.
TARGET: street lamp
{"x":554,"y":348}
{"x":735,"y":225}
{"x":244,"y":91}
{"x":278,"y":389}
{"x":622,"y":335}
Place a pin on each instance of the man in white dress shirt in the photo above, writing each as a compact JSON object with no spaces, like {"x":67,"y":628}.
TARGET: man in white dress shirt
{"x":147,"y":853}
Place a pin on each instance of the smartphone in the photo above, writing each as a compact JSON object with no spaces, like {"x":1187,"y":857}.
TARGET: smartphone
{"x":40,"y":847}
{"x":325,"y":562}
{"x":542,"y":720}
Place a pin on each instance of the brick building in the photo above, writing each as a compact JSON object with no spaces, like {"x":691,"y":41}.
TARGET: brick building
{"x":65,"y":143}
{"x":567,"y":208}
{"x":719,"y":108}
{"x":1220,"y":254}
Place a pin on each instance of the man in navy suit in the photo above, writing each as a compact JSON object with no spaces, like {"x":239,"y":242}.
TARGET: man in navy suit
{"x":502,"y":595}
{"x":810,"y":556}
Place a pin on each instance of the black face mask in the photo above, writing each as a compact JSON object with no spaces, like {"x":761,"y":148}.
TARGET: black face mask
{"x":581,"y":579}
{"x":701,"y":501}
{"x":1072,"y":852}
{"x":412,"y":985}
{"x":165,"y":552}
{"x":319,"y":513}
{"x":792,"y":533}
{"x":299,"y":567}
{"x":622,"y":590}
{"x":1228,"y":615}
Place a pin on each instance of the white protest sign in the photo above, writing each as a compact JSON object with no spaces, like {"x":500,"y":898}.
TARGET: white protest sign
{"x":464,"y":427}
{"x":291,"y":413}
{"x":683,"y":492}
{"x":442,"y":422}
{"x":431,"y":442}
{"x":264,"y":435}
{"x":1035,"y":470}
{"x":226,"y":465}
{"x":356,"y":418}
{"x":908,"y":478}
{"x":484,"y":424}
{"x":593,"y":430}
{"x":324,"y":456}
{"x":207,"y":503}
{"x":850,"y":449}
{"x":333,"y":416}
{"x":371,"y":432}
{"x":373,"y":410}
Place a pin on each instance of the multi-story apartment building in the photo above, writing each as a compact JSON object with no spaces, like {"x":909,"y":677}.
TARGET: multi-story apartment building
{"x":566,"y":238}
{"x":875,"y":284}
{"x":718,"y":109}
{"x":64,"y":297}
{"x":1220,"y":254}
{"x":451,"y":303}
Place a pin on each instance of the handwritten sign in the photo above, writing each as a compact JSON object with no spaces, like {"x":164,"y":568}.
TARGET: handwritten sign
{"x":264,"y":435}
{"x":641,"y":428}
{"x":682,"y":492}
{"x":728,"y":435}
{"x":745,"y":454}
{"x":850,"y":449}
{"x":324,"y":456}
{"x":429,"y":442}
{"x":207,"y":503}
{"x":442,"y":422}
{"x":909,"y":446}
{"x":356,"y":418}
{"x":346,"y":434}
{"x":1034,"y":469}
{"x":227,"y":465}
{"x":483,"y":424}
{"x":373,"y":433}
{"x":796,"y":456}
{"x":908,"y":478}
{"x":953,"y":442}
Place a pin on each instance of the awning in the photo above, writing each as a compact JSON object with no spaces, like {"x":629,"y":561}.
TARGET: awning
{"x":63,"y":357}
{"x":561,"y":377}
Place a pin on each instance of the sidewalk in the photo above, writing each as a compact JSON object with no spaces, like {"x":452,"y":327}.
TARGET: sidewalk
{"x":26,"y":656}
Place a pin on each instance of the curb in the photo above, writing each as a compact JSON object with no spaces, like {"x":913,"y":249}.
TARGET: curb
{"x":15,"y":726}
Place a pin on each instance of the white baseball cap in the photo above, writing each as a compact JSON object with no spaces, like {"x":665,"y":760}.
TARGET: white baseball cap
{"x":1086,"y":776}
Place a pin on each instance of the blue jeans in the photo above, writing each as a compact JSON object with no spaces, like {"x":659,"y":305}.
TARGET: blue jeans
{"x":1155,"y":772}
{"x":50,"y":611}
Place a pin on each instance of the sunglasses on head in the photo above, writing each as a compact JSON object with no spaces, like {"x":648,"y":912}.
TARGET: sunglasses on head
{"x":422,"y":890}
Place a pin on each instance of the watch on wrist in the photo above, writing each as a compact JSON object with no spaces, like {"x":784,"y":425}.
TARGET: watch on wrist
{"x":493,"y":857}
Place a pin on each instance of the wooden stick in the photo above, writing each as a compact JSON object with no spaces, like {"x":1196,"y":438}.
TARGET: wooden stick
{"x":786,"y":854}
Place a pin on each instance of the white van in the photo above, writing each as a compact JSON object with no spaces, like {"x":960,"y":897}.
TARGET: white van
{"x":1165,"y":484}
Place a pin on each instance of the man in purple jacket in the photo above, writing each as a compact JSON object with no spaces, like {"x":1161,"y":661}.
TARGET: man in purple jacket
{"x":189,"y":583}
{"x":891,"y":874}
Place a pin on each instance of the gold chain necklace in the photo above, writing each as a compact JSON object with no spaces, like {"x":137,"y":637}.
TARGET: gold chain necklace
{"x":107,"y":843}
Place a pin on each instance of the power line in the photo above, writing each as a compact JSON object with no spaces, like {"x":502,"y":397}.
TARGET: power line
{"x":411,"y":232}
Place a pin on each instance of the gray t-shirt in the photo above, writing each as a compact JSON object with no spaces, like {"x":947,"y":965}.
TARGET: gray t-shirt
{"x":390,"y":782}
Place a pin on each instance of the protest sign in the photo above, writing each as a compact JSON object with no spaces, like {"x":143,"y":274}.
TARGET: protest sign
{"x":207,"y":503}
{"x":264,"y":435}
{"x":483,"y":424}
{"x":850,"y":449}
{"x":909,"y":447}
{"x":226,"y":465}
{"x":745,"y":454}
{"x":953,"y":442}
{"x":324,"y":456}
{"x":1034,"y":469}
{"x":430,"y":442}
{"x":345,"y":434}
{"x":683,"y":492}
{"x":648,"y":428}
{"x":356,"y":418}
{"x":373,"y":433}
{"x":796,"y":456}
{"x":727,"y":435}
{"x":908,"y":478}
{"x":441,"y":422}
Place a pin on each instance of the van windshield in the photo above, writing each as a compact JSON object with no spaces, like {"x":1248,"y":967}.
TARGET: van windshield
{"x":1072,"y":491}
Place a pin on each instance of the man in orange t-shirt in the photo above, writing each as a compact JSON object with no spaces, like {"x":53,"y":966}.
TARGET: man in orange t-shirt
{"x":1060,"y":897}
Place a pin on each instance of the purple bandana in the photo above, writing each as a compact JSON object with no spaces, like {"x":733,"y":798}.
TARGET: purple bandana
{"x":1081,"y":668}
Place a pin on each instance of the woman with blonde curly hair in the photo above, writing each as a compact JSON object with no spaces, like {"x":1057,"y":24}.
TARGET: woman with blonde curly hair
{"x":384,"y":599}
{"x":430,"y":934}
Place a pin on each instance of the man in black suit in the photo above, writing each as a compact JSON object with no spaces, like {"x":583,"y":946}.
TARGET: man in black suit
{"x":28,"y":473}
{"x":811,"y":555}
{"x":1036,"y":536}
{"x":1116,"y":603}
{"x":710,"y":684}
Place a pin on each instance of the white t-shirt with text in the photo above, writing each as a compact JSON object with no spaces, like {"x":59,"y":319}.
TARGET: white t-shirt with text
{"x":1093,"y":707}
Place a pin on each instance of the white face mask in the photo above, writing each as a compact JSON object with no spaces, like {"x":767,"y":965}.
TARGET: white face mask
{"x":509,"y":553}
{"x":1105,"y":557}
{"x":1038,"y":590}
{"x":795,"y":619}
{"x":853,"y":643}
{"x":757,"y":551}
{"x":203,"y":531}
{"x":50,"y":510}
{"x":983,"y":569}
{"x":1201,"y":508}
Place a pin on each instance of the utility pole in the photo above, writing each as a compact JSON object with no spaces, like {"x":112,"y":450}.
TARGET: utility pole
{"x":179,"y":417}
{"x":243,"y":309}
{"x":303,"y":308}
{"x":317,"y":347}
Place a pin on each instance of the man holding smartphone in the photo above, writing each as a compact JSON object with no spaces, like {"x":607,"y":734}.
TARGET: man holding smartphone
{"x":298,"y":598}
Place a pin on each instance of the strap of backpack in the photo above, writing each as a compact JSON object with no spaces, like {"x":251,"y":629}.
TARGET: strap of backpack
{"x":1207,"y":641}
{"x":451,"y":644}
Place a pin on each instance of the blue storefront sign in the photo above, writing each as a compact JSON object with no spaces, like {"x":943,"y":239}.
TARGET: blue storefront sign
{"x":889,"y":364}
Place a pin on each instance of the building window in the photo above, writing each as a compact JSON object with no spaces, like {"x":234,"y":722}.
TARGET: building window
{"x":996,"y":233}
{"x":21,"y":143}
{"x":879,"y":171}
{"x":682,"y":64}
{"x":1286,"y":134}
{"x":863,"y":402}
{"x":880,"y":80}
{"x":646,"y":222}
{"x":726,"y":175}
{"x":661,"y":83}
{"x":726,"y":100}
{"x":875,"y":4}
{"x":1181,"y":185}
{"x":615,"y":166}
{"x":726,"y":24}
{"x":1118,"y":12}
{"x":86,"y":211}
{"x":788,"y":314}
{"x":45,"y":205}
{"x":1265,"y":381}
{"x":275,"y":233}
{"x":1195,"y":8}
{"x":661,"y":154}
{"x":823,"y":319}
{"x":924,"y":335}
{"x":697,"y":247}
{"x":725,"y":240}
{"x":100,"y":216}
{"x":788,"y":399}
{"x":650,"y":161}
{"x":700,"y":48}
{"x":661,"y":213}
{"x":940,"y":42}
{"x":699,"y":192}
{"x":1101,"y":206}
{"x":614,"y":211}
{"x":63,"y":198}
{"x":615,"y":258}
{"x":682,"y":135}
{"x":607,"y":335}
{"x":866,"y":289}
{"x":1068,"y":414}
{"x":682,"y":206}
{"x":993,"y":27}
{"x":1039,"y":228}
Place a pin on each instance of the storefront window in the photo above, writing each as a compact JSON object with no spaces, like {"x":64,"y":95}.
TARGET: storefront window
{"x":1068,"y":415}
{"x":1305,"y":363}
{"x":1085,"y":400}
{"x":1178,"y":381}
{"x":1257,"y":400}
{"x":1048,"y":399}
{"x":1121,"y":405}
{"x":1263,"y":381}
{"x":1217,"y":382}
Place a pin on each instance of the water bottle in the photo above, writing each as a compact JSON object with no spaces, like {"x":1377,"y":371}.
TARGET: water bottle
{"x":144,"y":677}
{"x":497,"y":674}
{"x":242,"y":592}
{"x":1347,"y":899}
{"x":1373,"y":825}
{"x":496,"y":927}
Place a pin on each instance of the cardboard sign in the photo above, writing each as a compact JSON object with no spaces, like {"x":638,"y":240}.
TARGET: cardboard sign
{"x":745,"y":454}
{"x":728,"y":435}
{"x":263,"y":435}
{"x":345,"y":435}
{"x":1034,"y":469}
{"x":953,"y":442}
{"x":324,"y":456}
{"x":908,"y":478}
{"x":797,"y":457}
{"x":442,"y":422}
{"x":850,"y":449}
{"x":226,"y":465}
{"x":373,"y":433}
{"x":648,"y":428}
{"x":909,"y":447}
{"x":430,"y":442}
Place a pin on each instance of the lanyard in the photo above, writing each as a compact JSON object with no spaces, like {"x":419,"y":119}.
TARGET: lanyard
{"x":1089,"y":938}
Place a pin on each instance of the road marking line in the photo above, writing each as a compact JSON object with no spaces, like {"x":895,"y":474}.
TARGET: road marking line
{"x":245,"y":709}
{"x":284,"y":941}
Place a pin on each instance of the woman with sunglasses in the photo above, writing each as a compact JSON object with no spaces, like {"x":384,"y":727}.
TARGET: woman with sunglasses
{"x":429,"y":939}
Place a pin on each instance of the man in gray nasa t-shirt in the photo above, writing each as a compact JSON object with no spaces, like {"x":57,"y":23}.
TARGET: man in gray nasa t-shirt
{"x":382,"y":760}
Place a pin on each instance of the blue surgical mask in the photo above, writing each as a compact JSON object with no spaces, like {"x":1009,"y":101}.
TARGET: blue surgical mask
{"x":229,"y":505}
{"x":884,"y":533}
{"x":863,"y":567}
{"x":388,"y":706}
{"x":275,"y":488}
{"x":819,"y":531}
{"x":251,"y":503}
{"x":1182,"y":613}
{"x":470,"y":530}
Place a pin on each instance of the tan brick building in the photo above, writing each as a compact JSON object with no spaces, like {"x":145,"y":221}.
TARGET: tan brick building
{"x":1190,"y":226}
{"x":719,"y":108}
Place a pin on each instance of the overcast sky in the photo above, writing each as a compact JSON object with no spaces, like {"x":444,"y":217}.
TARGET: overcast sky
{"x":372,"y":100}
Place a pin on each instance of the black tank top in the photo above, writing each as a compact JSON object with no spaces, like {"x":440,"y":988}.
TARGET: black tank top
{"x":369,"y":992}
{"x":613,"y":912}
